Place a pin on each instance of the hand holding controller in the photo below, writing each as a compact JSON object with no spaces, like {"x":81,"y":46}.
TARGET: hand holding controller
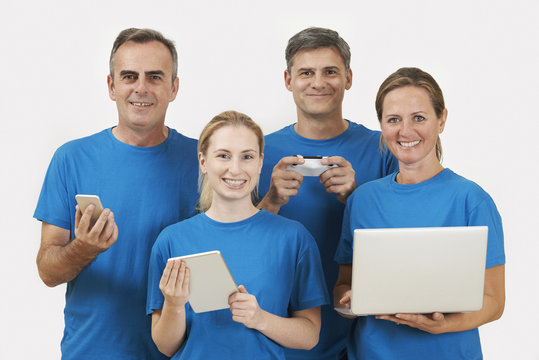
{"x":311,"y":167}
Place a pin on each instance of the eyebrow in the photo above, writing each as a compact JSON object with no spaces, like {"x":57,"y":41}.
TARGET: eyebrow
{"x":243,"y":151}
{"x":147,"y":73}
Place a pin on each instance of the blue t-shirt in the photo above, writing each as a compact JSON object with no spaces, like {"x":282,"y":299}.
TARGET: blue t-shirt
{"x":277,"y":261}
{"x":147,"y":188}
{"x":321,"y":213}
{"x":444,"y":200}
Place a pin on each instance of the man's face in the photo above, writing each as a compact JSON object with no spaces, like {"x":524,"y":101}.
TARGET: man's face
{"x":318,"y":80}
{"x":142,"y":86}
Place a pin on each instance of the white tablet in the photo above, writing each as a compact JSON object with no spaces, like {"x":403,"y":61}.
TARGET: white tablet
{"x":418,"y":270}
{"x":210,"y":282}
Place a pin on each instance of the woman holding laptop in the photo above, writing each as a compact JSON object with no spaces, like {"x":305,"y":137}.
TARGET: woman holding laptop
{"x":412,"y":114}
{"x":275,"y":259}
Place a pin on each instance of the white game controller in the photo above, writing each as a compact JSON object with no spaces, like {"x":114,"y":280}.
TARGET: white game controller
{"x":311,"y":167}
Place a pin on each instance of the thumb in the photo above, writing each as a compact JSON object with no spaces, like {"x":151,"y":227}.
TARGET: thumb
{"x":242,"y":289}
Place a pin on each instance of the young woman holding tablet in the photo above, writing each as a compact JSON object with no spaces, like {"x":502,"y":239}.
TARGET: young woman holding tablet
{"x":275,"y":259}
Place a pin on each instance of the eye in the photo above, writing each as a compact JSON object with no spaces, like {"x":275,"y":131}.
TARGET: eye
{"x":156,"y":77}
{"x":393,"y":120}
{"x":331,"y":72}
{"x":306,"y":73}
{"x":419,"y":118}
{"x":223,"y":156}
{"x":129,"y":77}
{"x":248,"y":157}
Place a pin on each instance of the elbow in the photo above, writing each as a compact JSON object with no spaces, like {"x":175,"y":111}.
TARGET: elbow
{"x":163,"y":349}
{"x":312,"y":343}
{"x":48,"y":280}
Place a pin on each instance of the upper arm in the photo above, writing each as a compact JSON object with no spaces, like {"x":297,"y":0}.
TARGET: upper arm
{"x":312,"y":314}
{"x":52,"y":235}
{"x":345,"y":275}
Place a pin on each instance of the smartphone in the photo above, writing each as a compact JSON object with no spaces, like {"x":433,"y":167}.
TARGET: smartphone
{"x":85,"y":200}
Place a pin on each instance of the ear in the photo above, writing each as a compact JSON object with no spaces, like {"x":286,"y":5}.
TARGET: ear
{"x":202,"y":163}
{"x":261,"y":163}
{"x":443,"y":118}
{"x":110,"y":85}
{"x":287,"y":80}
{"x":348,"y":79}
{"x":175,"y":87}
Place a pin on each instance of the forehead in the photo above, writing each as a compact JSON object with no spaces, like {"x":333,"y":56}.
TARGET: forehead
{"x":233,"y":137}
{"x":409,"y":98}
{"x":141,"y":57}
{"x":317,"y":58}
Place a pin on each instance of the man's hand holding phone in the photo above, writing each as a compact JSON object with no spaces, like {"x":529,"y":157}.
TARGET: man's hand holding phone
{"x":95,"y":229}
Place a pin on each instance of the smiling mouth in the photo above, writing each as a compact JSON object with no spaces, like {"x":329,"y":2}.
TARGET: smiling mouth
{"x":409,"y":144}
{"x":234,"y":182}
{"x":141,"y":104}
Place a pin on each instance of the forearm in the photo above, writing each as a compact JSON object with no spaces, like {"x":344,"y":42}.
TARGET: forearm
{"x":492,"y":310}
{"x":58,"y":264}
{"x":268,"y":205}
{"x":168,"y":329}
{"x":292,"y":332}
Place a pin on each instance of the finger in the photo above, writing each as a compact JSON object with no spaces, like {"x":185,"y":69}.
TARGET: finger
{"x":97,"y":229}
{"x":242,"y":289}
{"x":185,"y":285}
{"x":78,"y":215}
{"x":84,"y":222}
{"x":181,"y":275}
{"x":166,"y":275}
{"x":335,"y":160}
{"x":108,"y":230}
{"x":345,"y":300}
{"x":437,"y":316}
{"x":289,"y":160}
{"x":174,"y":272}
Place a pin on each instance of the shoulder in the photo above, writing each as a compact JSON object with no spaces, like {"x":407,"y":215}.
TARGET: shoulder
{"x":282,"y":224}
{"x":356,"y":129}
{"x":82,"y":144}
{"x":283,"y":132}
{"x":464,"y":186}
{"x":177,"y":139}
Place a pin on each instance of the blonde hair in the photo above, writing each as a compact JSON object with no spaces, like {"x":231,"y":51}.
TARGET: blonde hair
{"x":412,"y":76}
{"x":226,"y":118}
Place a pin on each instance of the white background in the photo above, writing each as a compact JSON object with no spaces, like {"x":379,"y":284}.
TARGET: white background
{"x":54,"y":62}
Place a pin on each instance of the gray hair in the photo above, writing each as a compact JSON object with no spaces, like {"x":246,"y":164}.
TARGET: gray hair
{"x":314,"y":38}
{"x":142,"y":36}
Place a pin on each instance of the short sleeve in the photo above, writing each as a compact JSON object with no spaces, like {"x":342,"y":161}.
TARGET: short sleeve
{"x":344,"y":252}
{"x":53,"y":205}
{"x":309,"y":282}
{"x":158,"y":261}
{"x":486,"y":214}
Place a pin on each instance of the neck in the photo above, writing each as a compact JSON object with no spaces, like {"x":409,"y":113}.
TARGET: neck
{"x":320,"y":129}
{"x":231,"y":211}
{"x":139,"y":137}
{"x":414,"y":174}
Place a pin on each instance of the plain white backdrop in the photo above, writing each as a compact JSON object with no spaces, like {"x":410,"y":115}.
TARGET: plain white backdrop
{"x":54,"y":63}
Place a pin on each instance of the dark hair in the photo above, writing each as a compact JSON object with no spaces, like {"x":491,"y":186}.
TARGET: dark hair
{"x":314,"y":38}
{"x":142,"y":36}
{"x":411,"y":76}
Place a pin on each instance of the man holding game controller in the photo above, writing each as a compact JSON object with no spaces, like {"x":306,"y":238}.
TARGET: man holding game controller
{"x":346,"y":154}
{"x":142,"y":170}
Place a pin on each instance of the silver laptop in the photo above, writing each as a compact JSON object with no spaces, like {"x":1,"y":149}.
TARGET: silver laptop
{"x":418,"y":270}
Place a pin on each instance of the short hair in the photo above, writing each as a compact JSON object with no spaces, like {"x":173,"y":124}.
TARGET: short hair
{"x":142,"y":36}
{"x":412,"y":76}
{"x":227,"y":118}
{"x":314,"y":38}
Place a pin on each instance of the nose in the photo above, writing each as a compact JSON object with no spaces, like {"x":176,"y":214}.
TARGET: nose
{"x":317,"y":81}
{"x":234,"y":166}
{"x":140,"y":86}
{"x":407,"y":127}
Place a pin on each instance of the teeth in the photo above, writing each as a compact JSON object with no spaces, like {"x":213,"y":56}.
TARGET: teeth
{"x":141,"y":104}
{"x":409,"y":144}
{"x":234,"y":182}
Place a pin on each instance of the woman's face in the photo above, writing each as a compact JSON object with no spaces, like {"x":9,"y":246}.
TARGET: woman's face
{"x":410,"y":126}
{"x":232,"y":163}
